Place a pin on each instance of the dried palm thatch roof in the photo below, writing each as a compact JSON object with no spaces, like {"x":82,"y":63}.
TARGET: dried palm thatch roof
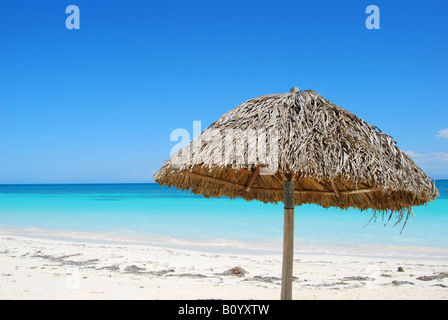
{"x":335,"y":158}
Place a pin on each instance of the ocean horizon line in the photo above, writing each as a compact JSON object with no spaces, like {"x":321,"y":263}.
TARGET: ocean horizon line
{"x":99,"y":183}
{"x":73,"y":183}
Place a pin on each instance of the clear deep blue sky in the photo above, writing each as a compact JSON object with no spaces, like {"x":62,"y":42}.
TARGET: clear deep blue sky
{"x":98,"y":104}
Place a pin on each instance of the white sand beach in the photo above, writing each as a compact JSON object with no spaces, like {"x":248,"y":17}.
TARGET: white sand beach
{"x":35,"y":268}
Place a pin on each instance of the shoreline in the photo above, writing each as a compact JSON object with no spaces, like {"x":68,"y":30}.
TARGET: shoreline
{"x":42,"y":268}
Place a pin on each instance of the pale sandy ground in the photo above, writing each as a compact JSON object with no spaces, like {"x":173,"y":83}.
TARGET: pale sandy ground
{"x":33,"y":268}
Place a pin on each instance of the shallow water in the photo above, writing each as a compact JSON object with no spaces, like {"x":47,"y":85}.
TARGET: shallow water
{"x":150,"y":213}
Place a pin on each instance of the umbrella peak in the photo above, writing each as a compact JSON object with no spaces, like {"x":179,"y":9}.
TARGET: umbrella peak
{"x":294,"y":89}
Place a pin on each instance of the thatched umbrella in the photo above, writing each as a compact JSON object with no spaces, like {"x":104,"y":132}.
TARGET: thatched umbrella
{"x":298,"y":148}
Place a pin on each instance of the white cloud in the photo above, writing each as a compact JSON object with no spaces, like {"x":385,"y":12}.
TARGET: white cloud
{"x":428,"y":157}
{"x":443,"y":133}
{"x":411,"y":153}
{"x":435,"y":164}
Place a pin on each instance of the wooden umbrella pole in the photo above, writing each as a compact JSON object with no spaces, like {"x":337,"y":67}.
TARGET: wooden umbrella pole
{"x":288,"y":240}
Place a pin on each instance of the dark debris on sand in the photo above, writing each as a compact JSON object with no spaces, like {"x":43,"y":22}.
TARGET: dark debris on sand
{"x":437,"y":276}
{"x":235,"y":271}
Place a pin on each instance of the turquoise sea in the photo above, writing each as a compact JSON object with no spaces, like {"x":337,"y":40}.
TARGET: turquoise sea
{"x":150,"y":214}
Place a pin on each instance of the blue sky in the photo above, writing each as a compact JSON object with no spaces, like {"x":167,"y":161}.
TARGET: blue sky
{"x":98,"y":104}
